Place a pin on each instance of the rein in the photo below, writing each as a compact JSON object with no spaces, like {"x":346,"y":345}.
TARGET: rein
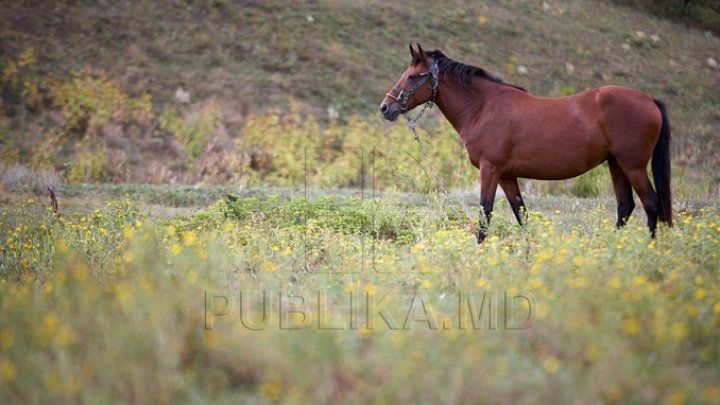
{"x":403,"y":97}
{"x":412,"y":123}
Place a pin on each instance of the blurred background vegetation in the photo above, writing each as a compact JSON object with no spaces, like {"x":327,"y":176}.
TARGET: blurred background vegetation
{"x":246,"y":92}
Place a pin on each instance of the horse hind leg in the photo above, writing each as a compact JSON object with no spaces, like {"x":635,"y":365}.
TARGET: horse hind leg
{"x":512,"y":191}
{"x":650,"y":200}
{"x":623,"y":193}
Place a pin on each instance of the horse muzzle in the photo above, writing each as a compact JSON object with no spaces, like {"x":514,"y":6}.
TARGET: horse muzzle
{"x":390,"y":112}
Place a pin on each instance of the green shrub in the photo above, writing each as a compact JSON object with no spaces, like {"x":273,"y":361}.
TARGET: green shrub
{"x":90,"y":101}
{"x":292,"y":150}
{"x":89,"y":165}
{"x":20,"y":81}
{"x":193,"y":136}
{"x":590,"y":184}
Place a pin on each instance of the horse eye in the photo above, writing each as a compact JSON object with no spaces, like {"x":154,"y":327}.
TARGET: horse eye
{"x":412,"y":77}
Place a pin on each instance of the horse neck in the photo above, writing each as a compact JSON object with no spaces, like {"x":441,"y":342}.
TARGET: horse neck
{"x":461,"y":105}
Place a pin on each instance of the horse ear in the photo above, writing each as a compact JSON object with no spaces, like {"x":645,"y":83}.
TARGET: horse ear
{"x":417,"y":56}
{"x":421,"y":55}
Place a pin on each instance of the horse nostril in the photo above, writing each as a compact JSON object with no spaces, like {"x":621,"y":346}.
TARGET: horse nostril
{"x":383,"y":108}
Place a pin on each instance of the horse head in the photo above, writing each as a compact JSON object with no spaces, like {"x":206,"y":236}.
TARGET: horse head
{"x":410,"y":90}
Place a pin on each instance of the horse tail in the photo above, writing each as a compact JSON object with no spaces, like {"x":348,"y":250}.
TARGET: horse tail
{"x":661,"y":167}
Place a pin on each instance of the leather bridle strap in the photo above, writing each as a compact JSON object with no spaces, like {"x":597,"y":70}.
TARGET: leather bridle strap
{"x":403,"y":96}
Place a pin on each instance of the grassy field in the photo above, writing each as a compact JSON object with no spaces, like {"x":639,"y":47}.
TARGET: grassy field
{"x":268,"y":296}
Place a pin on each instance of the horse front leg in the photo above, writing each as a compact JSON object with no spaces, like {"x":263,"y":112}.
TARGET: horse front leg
{"x":511,"y":188}
{"x":488,"y":186}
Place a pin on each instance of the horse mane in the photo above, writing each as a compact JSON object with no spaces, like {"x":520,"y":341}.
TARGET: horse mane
{"x":463,"y":73}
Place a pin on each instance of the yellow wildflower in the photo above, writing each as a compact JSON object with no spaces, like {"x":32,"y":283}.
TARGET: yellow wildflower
{"x":592,"y":351}
{"x":350,"y":287}
{"x":176,"y":249}
{"x":630,"y":327}
{"x":551,"y":365}
{"x":189,"y":238}
{"x":535,"y":283}
{"x":128,"y":232}
{"x":676,"y":398}
{"x":271,"y":390}
{"x":128,"y":257}
{"x":482,"y":283}
{"x":577,"y":282}
{"x":64,"y":336}
{"x":7,"y":338}
{"x":710,"y":395}
{"x":8,"y":371}
{"x":679,"y":331}
{"x":61,"y":246}
{"x":268,"y":267}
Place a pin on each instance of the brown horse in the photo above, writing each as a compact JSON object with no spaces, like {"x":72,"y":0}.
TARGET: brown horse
{"x":509,"y":133}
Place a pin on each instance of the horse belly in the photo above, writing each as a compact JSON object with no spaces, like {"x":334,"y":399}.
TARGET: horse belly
{"x":561,"y":153}
{"x":555,"y":168}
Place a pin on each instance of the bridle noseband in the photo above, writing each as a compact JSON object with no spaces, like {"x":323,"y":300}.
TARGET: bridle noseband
{"x":403,"y":96}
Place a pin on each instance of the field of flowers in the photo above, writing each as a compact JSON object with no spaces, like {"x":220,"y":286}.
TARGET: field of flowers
{"x":330,"y":299}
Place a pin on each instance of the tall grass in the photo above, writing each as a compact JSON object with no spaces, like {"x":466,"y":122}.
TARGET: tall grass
{"x":366,"y":300}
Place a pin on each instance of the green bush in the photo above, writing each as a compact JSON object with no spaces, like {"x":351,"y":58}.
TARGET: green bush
{"x":89,"y":165}
{"x":20,"y":81}
{"x":292,"y":150}
{"x":89,"y":101}
{"x":590,"y":184}
{"x":193,"y":136}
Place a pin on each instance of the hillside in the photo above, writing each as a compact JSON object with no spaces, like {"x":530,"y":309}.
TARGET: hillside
{"x":176,"y":69}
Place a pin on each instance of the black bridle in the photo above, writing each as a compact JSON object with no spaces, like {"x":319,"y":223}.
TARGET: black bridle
{"x":403,"y":96}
